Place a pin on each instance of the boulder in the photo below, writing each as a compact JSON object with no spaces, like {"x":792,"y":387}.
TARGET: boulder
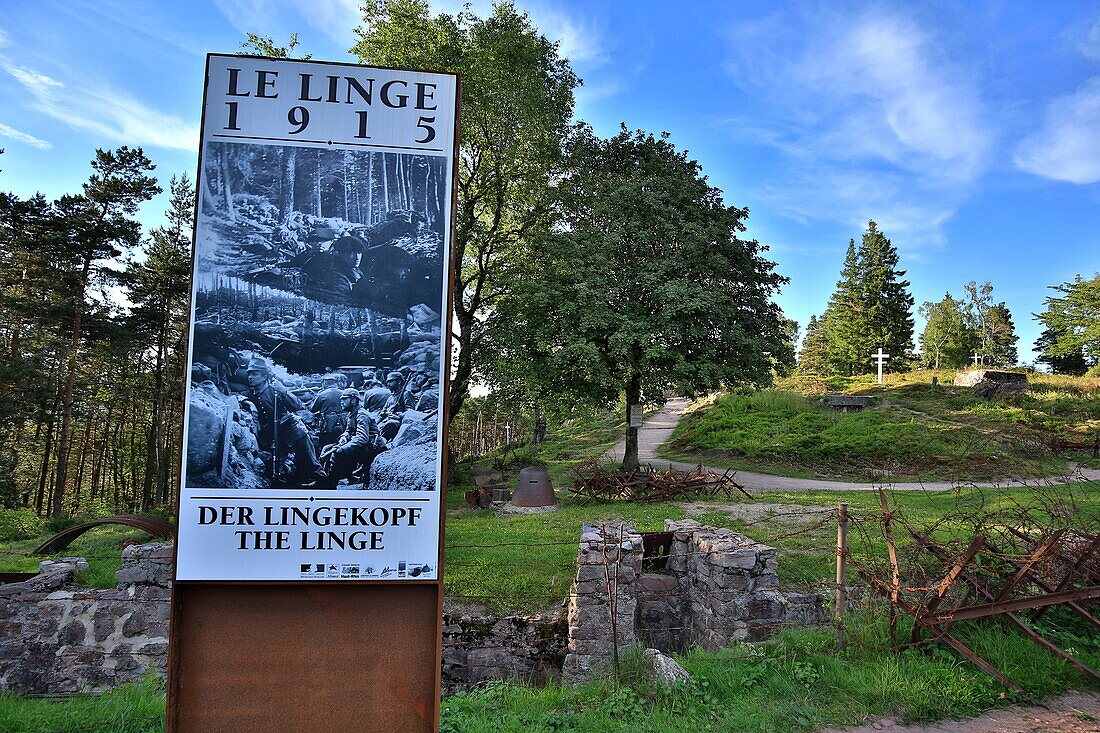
{"x":205,"y":429}
{"x":666,"y":671}
{"x":988,"y":382}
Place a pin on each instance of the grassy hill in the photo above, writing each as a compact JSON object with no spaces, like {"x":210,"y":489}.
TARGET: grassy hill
{"x":911,"y":431}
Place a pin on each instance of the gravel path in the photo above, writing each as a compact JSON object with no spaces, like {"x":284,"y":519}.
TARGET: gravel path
{"x":1072,"y":713}
{"x":658,"y":428}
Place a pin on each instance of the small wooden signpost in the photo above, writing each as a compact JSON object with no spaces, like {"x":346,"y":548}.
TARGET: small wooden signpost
{"x":881,"y":359}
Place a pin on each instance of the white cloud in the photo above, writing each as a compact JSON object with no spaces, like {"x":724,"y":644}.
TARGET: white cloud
{"x":1067,"y":147}
{"x":580,"y":41}
{"x":335,"y":18}
{"x":22,"y":137}
{"x":103,"y":111}
{"x":873,"y":117}
{"x":1090,"y":44}
{"x":5,"y":39}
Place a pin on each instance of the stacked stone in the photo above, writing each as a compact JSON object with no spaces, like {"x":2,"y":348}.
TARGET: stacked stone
{"x":660,"y":621}
{"x":731,"y":581}
{"x":478,"y":649}
{"x":57,"y":638}
{"x":609,"y":564}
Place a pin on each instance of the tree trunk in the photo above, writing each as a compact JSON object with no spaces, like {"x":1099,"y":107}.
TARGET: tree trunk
{"x":385,"y":183}
{"x":317,"y":188}
{"x":289,"y":167}
{"x":227,"y":190}
{"x":67,"y":401}
{"x":633,"y":397}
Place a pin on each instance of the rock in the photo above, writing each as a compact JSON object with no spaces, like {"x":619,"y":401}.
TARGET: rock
{"x":988,"y":382}
{"x":205,"y":428}
{"x":666,"y":670}
{"x":409,"y":467}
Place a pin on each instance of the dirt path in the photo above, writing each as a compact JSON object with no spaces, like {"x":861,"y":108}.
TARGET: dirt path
{"x":658,"y":428}
{"x":1072,"y":713}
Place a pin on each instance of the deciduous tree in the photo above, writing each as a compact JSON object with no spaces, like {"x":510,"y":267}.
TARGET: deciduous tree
{"x":517,"y":104}
{"x":947,"y":339}
{"x":644,"y":284}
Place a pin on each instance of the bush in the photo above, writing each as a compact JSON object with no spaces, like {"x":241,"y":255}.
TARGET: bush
{"x":64,"y":520}
{"x":19,"y":524}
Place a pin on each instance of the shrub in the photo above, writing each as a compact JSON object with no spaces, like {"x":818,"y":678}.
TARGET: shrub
{"x":19,"y":524}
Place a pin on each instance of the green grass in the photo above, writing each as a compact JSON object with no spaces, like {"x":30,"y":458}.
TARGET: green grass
{"x":101,"y":547}
{"x":797,"y":682}
{"x":526,"y":563}
{"x":911,"y":432}
{"x":133,"y":708}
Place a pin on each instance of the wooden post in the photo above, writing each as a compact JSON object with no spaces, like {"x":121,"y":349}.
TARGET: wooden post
{"x":841,"y":555}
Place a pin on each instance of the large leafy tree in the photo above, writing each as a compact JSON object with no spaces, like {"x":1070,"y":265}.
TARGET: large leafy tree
{"x":992,"y":322}
{"x":947,"y":339}
{"x":517,"y":104}
{"x":642,"y":286}
{"x":1072,"y":325}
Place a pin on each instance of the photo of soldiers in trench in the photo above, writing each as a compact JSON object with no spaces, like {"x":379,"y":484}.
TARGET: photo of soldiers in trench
{"x":316,"y":337}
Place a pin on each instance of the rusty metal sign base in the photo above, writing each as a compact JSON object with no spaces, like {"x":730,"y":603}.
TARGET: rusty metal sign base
{"x":305,"y":657}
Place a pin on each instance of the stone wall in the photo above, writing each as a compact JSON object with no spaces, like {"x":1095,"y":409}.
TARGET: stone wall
{"x":610,"y":558}
{"x":480,"y":649}
{"x":58,"y":638}
{"x":718,"y":587}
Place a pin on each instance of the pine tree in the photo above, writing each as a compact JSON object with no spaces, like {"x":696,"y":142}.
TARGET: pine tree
{"x":887,"y":302}
{"x":1071,"y":362}
{"x":1003,"y":336}
{"x":813,"y":358}
{"x":870,"y":308}
{"x":844,"y":324}
{"x":1072,"y":320}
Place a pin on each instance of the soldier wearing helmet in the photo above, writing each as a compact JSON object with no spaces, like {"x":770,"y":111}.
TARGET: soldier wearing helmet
{"x":282,"y":431}
{"x":354,"y":452}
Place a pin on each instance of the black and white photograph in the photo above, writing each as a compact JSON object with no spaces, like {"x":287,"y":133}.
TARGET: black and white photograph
{"x":316,"y":335}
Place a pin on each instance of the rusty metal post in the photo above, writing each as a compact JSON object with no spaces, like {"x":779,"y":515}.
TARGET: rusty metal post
{"x":841,"y":555}
{"x":895,"y":571}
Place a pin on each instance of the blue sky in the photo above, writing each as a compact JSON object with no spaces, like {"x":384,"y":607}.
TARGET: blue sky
{"x":970,"y":132}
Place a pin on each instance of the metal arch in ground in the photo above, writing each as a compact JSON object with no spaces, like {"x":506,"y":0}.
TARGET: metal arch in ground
{"x":155,"y":526}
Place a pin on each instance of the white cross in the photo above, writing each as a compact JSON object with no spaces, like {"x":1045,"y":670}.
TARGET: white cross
{"x":976,"y":357}
{"x":881,"y":359}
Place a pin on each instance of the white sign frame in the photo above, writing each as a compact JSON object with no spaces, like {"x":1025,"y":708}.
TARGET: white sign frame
{"x":233,"y":529}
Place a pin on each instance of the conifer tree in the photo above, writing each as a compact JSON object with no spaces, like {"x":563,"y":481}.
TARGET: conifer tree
{"x":813,"y":358}
{"x":887,"y":302}
{"x":871,"y":307}
{"x":844,"y":322}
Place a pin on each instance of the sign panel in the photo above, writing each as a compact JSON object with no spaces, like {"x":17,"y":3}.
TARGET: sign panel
{"x":313,"y":430}
{"x":636,"y":417}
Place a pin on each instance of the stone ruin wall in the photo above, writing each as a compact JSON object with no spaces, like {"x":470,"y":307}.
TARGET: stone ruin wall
{"x":58,"y":638}
{"x":718,"y":587}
